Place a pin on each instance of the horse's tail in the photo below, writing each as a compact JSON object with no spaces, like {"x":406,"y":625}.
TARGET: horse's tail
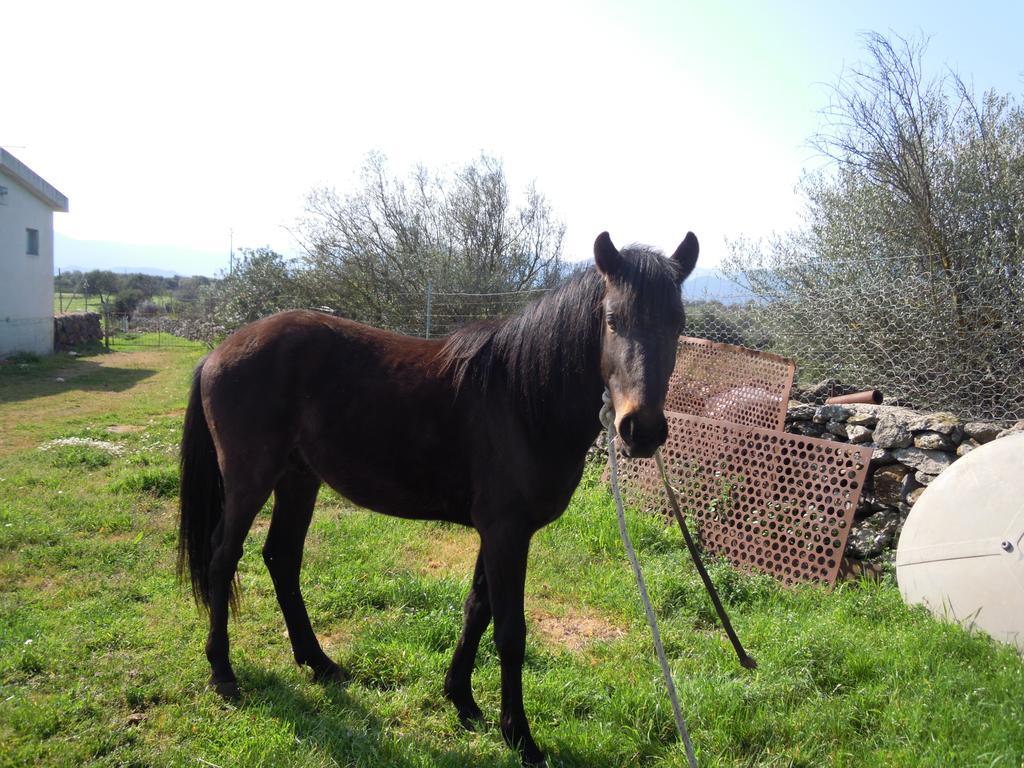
{"x":202,"y":496}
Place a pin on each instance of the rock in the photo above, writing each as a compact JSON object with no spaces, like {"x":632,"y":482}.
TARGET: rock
{"x":872,"y":535}
{"x":881,"y":457}
{"x":966,"y":447}
{"x":891,"y":484}
{"x":914,"y":495}
{"x":826,"y":413}
{"x":863,"y":419}
{"x":800,"y":412}
{"x":76,"y":329}
{"x":924,"y":478}
{"x":857,"y":434}
{"x":866,"y":414}
{"x":599,"y":450}
{"x":836,"y":428}
{"x":982,"y":431}
{"x":945,"y":423}
{"x":807,"y":428}
{"x":834,"y":437}
{"x":891,"y":432}
{"x":1018,"y":427}
{"x":933,"y":441}
{"x":866,"y":507}
{"x":853,"y":570}
{"x":929,"y":462}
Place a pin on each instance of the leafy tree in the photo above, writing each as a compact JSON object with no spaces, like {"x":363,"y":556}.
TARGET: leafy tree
{"x":148,"y":286}
{"x":908,"y":263}
{"x":188,"y":289}
{"x":261,"y":283}
{"x":127,"y":301}
{"x":101,"y":283}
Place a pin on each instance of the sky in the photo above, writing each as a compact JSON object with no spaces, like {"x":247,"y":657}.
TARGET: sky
{"x":182,"y":127}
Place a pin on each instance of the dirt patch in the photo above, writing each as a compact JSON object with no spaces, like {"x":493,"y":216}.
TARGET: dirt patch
{"x":334,"y":640}
{"x":123,"y":429}
{"x":45,"y":585}
{"x":450,"y":555}
{"x":573,"y":630}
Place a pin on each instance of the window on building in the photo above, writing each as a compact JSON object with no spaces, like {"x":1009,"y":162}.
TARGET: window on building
{"x":3,"y":195}
{"x":33,"y":242}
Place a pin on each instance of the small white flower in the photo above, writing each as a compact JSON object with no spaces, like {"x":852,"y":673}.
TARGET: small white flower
{"x":29,"y":641}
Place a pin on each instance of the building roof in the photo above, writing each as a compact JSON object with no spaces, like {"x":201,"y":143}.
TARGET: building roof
{"x":32,"y":181}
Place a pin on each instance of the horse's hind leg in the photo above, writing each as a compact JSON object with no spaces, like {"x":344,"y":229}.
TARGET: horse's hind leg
{"x":294,"y":499}
{"x":477,"y":613}
{"x":242,"y":500}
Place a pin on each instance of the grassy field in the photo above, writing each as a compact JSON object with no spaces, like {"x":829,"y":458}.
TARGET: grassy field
{"x":101,"y":658}
{"x":77,"y":302}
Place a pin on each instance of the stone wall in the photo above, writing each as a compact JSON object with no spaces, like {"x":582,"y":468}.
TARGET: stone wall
{"x":76,"y":329}
{"x":910,"y":450}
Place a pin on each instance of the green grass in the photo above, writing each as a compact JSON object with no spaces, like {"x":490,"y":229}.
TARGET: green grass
{"x":101,"y":658}
{"x":76,"y":302}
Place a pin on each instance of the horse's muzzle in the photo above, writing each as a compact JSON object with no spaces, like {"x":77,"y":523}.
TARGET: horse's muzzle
{"x":642,"y":432}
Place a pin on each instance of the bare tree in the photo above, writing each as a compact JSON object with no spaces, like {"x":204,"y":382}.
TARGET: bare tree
{"x":371,"y":254}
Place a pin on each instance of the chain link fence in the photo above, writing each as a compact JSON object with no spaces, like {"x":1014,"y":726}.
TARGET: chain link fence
{"x":928,"y":338}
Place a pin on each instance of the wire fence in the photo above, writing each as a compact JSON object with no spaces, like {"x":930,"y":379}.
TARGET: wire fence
{"x":928,"y":338}
{"x":931,"y":335}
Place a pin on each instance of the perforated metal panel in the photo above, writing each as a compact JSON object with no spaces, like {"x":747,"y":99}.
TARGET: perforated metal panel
{"x":722,"y":381}
{"x":766,"y":500}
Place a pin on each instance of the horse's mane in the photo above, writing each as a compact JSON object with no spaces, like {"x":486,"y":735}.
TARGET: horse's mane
{"x":542,"y":353}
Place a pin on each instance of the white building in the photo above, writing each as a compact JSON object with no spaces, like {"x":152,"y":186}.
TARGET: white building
{"x":27,"y":203}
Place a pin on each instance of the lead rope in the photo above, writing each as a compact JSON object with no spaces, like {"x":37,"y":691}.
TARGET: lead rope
{"x":608,"y":420}
{"x":746,"y":661}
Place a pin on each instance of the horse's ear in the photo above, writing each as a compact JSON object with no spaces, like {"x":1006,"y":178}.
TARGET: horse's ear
{"x":685,"y":257}
{"x":607,"y":256}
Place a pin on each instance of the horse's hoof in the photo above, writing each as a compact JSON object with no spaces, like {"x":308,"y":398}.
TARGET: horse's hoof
{"x":226,"y":689}
{"x":533,"y":757}
{"x":470,"y":715}
{"x":330,"y":674}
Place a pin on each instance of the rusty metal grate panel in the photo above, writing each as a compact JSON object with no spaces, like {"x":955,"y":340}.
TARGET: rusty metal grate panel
{"x":766,"y":500}
{"x":723,"y":381}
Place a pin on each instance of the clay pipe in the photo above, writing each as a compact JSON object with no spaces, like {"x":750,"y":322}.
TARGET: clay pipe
{"x":867,"y":396}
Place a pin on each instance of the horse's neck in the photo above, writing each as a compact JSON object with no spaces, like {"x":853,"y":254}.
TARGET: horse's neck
{"x":569,"y":415}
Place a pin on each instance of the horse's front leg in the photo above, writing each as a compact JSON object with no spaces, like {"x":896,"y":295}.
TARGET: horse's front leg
{"x":477,"y":615}
{"x":504,"y":548}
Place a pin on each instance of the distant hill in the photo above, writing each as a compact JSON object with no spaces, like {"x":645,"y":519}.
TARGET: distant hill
{"x":165,"y":261}
{"x":711,"y":285}
{"x":125,"y":270}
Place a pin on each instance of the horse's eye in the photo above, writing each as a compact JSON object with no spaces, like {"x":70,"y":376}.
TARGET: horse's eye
{"x":612,"y":322}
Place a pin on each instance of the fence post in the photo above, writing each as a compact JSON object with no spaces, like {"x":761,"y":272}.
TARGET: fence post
{"x":430,"y":296}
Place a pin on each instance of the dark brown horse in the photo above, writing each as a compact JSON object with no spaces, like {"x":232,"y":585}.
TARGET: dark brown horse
{"x":488,"y":428}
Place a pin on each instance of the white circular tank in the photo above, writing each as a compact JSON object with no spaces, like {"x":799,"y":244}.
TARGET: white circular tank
{"x":961,"y":552}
